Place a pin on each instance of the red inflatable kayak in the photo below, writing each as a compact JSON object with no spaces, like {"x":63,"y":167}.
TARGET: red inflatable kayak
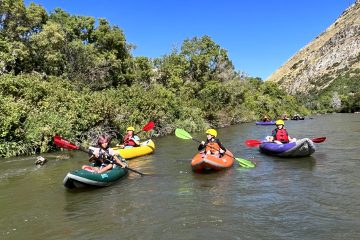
{"x":202,"y":161}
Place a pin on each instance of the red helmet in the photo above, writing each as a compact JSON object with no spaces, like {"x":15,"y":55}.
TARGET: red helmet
{"x":103,"y":139}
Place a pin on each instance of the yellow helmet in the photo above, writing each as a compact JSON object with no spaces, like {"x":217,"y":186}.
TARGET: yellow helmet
{"x":212,"y":132}
{"x":280,"y":122}
{"x":130,"y":129}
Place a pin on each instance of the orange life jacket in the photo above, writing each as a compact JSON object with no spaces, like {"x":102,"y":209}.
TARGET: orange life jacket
{"x":212,"y":146}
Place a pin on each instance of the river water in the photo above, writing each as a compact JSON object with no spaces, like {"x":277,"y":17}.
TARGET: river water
{"x":317,"y":197}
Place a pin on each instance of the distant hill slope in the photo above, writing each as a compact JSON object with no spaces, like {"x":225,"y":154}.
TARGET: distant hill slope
{"x":332,"y":55}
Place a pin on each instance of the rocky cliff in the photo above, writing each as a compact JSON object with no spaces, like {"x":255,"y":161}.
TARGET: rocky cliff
{"x":330,"y":55}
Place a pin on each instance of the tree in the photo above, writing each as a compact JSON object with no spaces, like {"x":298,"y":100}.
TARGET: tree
{"x":207,"y":61}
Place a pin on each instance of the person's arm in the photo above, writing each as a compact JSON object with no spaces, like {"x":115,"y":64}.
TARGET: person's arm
{"x":106,"y":168}
{"x":116,"y":157}
{"x":270,"y":138}
{"x":221,"y":147}
{"x":202,"y":145}
{"x":136,"y":139}
{"x":273,"y":133}
{"x":119,"y":162}
{"x":95,"y":153}
{"x":92,"y":158}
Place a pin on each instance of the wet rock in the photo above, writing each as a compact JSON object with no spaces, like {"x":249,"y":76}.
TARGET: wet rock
{"x":40,"y":161}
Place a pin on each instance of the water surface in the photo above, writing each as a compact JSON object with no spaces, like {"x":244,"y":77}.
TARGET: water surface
{"x":308,"y":198}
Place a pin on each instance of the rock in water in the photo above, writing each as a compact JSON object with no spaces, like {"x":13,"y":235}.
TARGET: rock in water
{"x":40,"y":161}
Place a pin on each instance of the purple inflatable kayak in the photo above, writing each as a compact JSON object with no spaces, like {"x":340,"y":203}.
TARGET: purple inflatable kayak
{"x":266,"y":123}
{"x":301,"y":148}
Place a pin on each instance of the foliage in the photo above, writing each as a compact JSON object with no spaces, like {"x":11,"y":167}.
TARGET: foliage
{"x":341,"y":95}
{"x":75,"y":76}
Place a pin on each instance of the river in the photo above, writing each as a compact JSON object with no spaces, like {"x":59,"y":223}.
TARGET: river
{"x":317,"y":197}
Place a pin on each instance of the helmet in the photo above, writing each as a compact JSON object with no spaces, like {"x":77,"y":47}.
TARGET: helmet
{"x":280,"y":122}
{"x":212,"y":132}
{"x":130,"y":129}
{"x":103,"y":139}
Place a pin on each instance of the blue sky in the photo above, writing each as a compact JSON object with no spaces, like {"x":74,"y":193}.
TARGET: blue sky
{"x":258,"y":35}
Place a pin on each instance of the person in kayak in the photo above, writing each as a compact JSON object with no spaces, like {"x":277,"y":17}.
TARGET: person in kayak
{"x":266,"y":119}
{"x":104,"y":157}
{"x":212,"y":145}
{"x":130,"y":140}
{"x":280,"y":135}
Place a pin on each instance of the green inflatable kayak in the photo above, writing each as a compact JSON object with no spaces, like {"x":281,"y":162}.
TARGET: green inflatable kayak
{"x":82,"y":178}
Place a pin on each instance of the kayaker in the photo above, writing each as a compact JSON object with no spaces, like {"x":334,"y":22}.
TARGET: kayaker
{"x":280,"y":135}
{"x":130,"y":140}
{"x":212,"y":144}
{"x":103,"y":157}
{"x":284,"y":117}
{"x":266,"y":119}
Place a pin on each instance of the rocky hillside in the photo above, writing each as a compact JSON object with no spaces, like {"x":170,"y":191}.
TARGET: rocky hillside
{"x":331,"y":55}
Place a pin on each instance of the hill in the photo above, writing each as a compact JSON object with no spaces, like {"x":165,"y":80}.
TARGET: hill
{"x":327,"y":66}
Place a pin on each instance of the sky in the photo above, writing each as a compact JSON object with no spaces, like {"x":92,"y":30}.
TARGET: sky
{"x":259,"y":35}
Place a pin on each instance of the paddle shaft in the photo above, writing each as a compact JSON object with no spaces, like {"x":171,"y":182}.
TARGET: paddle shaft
{"x":133,"y":170}
{"x":255,"y":143}
{"x":80,"y":148}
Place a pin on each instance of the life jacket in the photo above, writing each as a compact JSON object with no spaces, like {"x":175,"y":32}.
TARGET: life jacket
{"x":212,"y":146}
{"x":104,"y":158}
{"x":281,"y":135}
{"x":128,"y":141}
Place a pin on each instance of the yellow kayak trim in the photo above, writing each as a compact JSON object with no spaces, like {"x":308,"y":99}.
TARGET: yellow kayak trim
{"x":145,"y":148}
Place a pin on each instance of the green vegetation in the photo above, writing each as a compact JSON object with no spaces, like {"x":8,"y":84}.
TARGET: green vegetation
{"x":72,"y":74}
{"x":342,"y":95}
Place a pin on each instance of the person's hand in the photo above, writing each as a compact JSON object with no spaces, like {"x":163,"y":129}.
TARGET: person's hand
{"x":269,"y":138}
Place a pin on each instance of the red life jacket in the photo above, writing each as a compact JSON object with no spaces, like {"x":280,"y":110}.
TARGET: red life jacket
{"x":128,"y":141}
{"x":281,"y":135}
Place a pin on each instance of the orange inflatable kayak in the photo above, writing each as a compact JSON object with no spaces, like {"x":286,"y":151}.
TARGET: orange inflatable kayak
{"x":202,"y":161}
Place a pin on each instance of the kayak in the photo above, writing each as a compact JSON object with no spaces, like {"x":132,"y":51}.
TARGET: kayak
{"x":205,"y":162}
{"x":266,"y":123}
{"x":82,"y":178}
{"x":300,"y":148}
{"x":298,"y":118}
{"x":145,"y":148}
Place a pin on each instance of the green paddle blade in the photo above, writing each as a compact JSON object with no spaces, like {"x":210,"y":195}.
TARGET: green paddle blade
{"x":245,"y":163}
{"x":181,"y":133}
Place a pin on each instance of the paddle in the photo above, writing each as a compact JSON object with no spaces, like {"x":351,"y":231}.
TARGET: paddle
{"x":181,"y":133}
{"x":319,"y":139}
{"x":150,"y":125}
{"x":252,"y":143}
{"x":256,"y":143}
{"x":63,"y":143}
